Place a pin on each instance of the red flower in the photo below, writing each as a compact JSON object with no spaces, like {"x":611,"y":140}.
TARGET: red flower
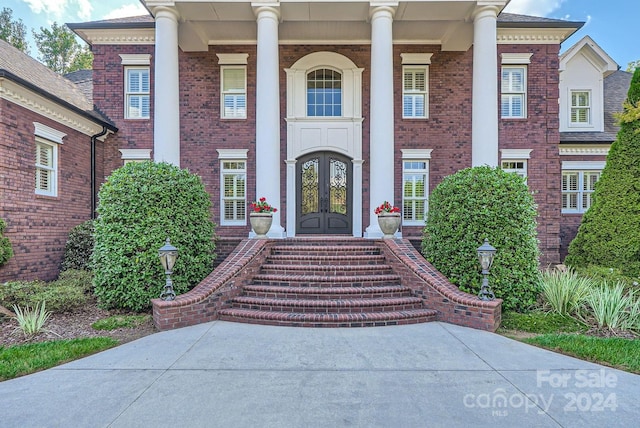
{"x":262,"y":206}
{"x":386,"y":207}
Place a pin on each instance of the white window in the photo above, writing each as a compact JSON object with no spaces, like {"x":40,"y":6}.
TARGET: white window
{"x":577,"y":189}
{"x":580,"y":108}
{"x":233,"y":184}
{"x":324,"y":93}
{"x":514,"y":92}
{"x":415,"y":85}
{"x":415,"y":186}
{"x":516,"y":166}
{"x":234,"y":92}
{"x":414,"y":92}
{"x":46,"y":168}
{"x":46,"y":159}
{"x":135,"y":155}
{"x":137,"y":93}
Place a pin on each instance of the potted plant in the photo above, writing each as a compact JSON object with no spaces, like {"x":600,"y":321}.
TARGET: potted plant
{"x":388,"y":219}
{"x":261,"y":217}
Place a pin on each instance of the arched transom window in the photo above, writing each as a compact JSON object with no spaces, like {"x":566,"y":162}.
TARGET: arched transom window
{"x":324,"y":93}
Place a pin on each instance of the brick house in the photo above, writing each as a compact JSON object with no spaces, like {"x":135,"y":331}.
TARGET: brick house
{"x":327,"y":110}
{"x":592,"y":90}
{"x":51,"y":151}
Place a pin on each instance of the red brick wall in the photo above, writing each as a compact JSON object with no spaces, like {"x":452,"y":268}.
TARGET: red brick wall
{"x":447,"y":131}
{"x":38,"y":226}
{"x":108,"y":96}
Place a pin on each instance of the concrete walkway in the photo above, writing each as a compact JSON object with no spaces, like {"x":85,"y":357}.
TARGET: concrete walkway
{"x":236,"y":375}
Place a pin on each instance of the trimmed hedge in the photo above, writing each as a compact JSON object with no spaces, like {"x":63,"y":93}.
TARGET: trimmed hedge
{"x":6,"y":252}
{"x":141,"y":204}
{"x":478,"y":203}
{"x":609,"y":234}
{"x":79,"y":247}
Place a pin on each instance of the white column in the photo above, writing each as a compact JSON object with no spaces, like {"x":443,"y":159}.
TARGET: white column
{"x":484,"y":127}
{"x":166,"y":114}
{"x":268,"y":114}
{"x":381,"y":135}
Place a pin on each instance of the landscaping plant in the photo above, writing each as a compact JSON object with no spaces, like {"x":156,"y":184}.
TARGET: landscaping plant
{"x":565,"y":292}
{"x":609,"y":234}
{"x":31,"y":321}
{"x":6,"y":252}
{"x":478,"y":203}
{"x":79,"y":247}
{"x":141,"y":205}
{"x":610,"y":305}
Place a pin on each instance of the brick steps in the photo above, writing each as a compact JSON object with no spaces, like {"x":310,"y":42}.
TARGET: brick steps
{"x":372,"y":319}
{"x":335,"y":293}
{"x":326,"y":284}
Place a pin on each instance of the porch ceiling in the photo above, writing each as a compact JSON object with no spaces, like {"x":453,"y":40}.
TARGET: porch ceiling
{"x":443,"y":22}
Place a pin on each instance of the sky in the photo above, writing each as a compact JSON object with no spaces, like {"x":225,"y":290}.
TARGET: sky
{"x":611,"y":23}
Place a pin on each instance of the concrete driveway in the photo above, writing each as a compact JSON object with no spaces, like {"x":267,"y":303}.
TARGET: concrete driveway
{"x":224,"y":374}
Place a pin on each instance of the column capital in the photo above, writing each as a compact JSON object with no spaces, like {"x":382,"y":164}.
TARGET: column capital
{"x":166,"y":12}
{"x":266,"y":10}
{"x":486,"y":11}
{"x":378,"y":9}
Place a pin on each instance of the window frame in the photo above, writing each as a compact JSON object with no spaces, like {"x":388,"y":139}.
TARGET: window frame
{"x":415,"y":92}
{"x":511,"y":94}
{"x":324,"y":105}
{"x":588,"y":108}
{"x":52,"y":169}
{"x":129,"y":94}
{"x":415,"y":156}
{"x":231,"y":156}
{"x":520,"y":171}
{"x":580,"y":168}
{"x":233,"y":92}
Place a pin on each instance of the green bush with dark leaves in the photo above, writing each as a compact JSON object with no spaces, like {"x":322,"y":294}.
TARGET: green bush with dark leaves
{"x":142,"y":204}
{"x":609,"y":234}
{"x":478,"y":203}
{"x":6,"y":252}
{"x":79,"y":247}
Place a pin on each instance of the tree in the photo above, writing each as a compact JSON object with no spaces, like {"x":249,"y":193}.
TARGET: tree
{"x":609,"y":234}
{"x":61,"y":51}
{"x":631,"y":67}
{"x":13,"y":32}
{"x":6,"y":252}
{"x":478,"y":203}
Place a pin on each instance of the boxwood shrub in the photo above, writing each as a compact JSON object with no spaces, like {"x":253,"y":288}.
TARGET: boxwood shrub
{"x":79,"y":247}
{"x":478,"y":203}
{"x":142,"y":204}
{"x":6,"y":252}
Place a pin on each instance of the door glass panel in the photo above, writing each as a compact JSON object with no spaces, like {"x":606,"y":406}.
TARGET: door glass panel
{"x":337,"y":187}
{"x":310,"y":191}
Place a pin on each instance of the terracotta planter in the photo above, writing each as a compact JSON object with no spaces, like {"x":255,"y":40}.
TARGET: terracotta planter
{"x":389,"y":224}
{"x":261,"y":223}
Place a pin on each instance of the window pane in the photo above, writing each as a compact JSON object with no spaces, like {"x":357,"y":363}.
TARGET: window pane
{"x":233,"y":80}
{"x":324,"y":93}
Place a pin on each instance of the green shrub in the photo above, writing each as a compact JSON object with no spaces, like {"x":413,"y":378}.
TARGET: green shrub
{"x":610,"y":275}
{"x":20,"y":293}
{"x":141,"y":204}
{"x":120,"y":321}
{"x":81,"y":279}
{"x":478,"y":203}
{"x":6,"y":252}
{"x":565,"y":292}
{"x":609,"y":234}
{"x":79,"y":247}
{"x":63,"y":295}
{"x":540,"y":322}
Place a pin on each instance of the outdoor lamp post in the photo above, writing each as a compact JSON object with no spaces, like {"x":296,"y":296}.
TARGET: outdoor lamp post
{"x":168,"y":255}
{"x":485,"y":254}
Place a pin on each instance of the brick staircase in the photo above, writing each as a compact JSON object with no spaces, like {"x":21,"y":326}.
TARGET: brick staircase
{"x":316,"y":283}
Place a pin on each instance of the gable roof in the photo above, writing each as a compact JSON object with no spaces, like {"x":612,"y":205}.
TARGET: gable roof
{"x":616,"y":86}
{"x":19,"y":67}
{"x":593,"y":52}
